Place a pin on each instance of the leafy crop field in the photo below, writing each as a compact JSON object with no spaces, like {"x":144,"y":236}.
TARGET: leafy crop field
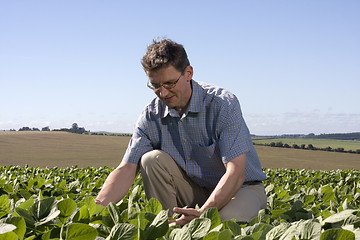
{"x":58,"y":203}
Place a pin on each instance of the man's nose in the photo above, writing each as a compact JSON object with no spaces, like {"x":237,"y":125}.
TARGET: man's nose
{"x":163,"y":91}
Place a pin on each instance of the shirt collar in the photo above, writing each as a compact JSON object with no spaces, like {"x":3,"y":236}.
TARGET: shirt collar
{"x":194,"y":105}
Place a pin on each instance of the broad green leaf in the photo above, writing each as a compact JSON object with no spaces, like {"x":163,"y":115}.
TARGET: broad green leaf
{"x":211,"y":236}
{"x":20,"y":224}
{"x":337,"y":234}
{"x":67,"y":207}
{"x":25,"y":193}
{"x":329,"y":196}
{"x":309,"y":229}
{"x":80,"y":231}
{"x":27,"y":204}
{"x":4,"y":205}
{"x":92,"y":206}
{"x":339,"y":217}
{"x":225,"y":234}
{"x":309,"y":199}
{"x":199,"y":227}
{"x":26,"y":215}
{"x":153,"y":206}
{"x":82,"y":215}
{"x":114,"y":213}
{"x":8,"y":236}
{"x":180,"y":234}
{"x":278,"y":231}
{"x":42,"y":208}
{"x":259,"y":230}
{"x":213,"y":215}
{"x":233,"y":227}
{"x":159,"y":225}
{"x":52,"y":215}
{"x":123,"y":231}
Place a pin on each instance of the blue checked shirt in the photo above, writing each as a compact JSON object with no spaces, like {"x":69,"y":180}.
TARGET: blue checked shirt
{"x":210,"y":133}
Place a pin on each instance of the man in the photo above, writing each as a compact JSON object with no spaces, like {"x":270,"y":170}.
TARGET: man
{"x":191,"y":145}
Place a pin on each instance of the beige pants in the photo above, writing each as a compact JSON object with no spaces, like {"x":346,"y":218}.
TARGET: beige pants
{"x":166,"y":181}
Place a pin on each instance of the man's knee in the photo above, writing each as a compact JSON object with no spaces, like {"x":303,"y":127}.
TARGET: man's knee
{"x":246,"y":204}
{"x":150,"y":158}
{"x":155,"y":159}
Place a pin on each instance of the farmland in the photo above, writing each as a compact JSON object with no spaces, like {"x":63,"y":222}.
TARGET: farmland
{"x":51,"y":149}
{"x":319,"y":143}
{"x":311,"y":194}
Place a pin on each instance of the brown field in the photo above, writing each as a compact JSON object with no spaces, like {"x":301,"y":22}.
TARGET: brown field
{"x":50,"y":149}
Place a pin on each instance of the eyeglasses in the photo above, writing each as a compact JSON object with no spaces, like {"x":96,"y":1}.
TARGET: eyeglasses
{"x":166,"y":85}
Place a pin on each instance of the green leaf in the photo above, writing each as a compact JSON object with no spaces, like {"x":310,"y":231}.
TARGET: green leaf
{"x":159,"y":226}
{"x":213,"y":215}
{"x":124,"y":231}
{"x":337,"y":234}
{"x":329,"y":196}
{"x":67,"y":207}
{"x":259,"y":230}
{"x":278,"y":231}
{"x":8,"y":236}
{"x":180,"y":234}
{"x":42,"y":208}
{"x":309,"y":229}
{"x":80,"y":231}
{"x":26,"y":215}
{"x":20,"y":224}
{"x":114,"y":213}
{"x":153,"y":206}
{"x":4,"y":205}
{"x":27,"y":204}
{"x":309,"y":199}
{"x":225,"y":234}
{"x":52,"y":215}
{"x":199,"y":227}
{"x":339,"y":217}
{"x":233,"y":227}
{"x":82,"y":215}
{"x":92,"y":206}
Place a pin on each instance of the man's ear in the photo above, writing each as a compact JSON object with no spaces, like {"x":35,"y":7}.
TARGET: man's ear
{"x":189,"y":73}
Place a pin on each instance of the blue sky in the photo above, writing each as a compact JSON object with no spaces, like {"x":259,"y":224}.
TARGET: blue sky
{"x":294,"y":65}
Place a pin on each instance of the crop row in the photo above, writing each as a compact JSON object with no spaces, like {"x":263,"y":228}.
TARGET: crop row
{"x":58,"y":203}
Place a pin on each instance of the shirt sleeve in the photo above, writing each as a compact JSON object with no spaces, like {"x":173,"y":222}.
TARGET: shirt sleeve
{"x":140,"y":142}
{"x":234,"y":136}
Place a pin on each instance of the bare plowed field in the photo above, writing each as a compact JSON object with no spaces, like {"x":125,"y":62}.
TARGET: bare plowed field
{"x":50,"y":149}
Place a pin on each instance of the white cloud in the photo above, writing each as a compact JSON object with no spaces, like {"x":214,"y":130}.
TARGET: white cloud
{"x":302,"y":123}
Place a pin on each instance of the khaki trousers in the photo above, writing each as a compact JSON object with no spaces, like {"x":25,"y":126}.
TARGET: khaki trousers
{"x":167,"y":182}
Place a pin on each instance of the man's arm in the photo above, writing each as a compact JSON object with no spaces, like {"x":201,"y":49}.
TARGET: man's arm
{"x":117,"y":184}
{"x":228,"y":185}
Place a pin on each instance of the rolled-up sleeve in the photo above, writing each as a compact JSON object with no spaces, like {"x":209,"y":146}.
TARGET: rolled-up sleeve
{"x":234,"y":136}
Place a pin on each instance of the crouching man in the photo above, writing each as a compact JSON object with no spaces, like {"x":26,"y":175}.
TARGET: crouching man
{"x":191,"y":145}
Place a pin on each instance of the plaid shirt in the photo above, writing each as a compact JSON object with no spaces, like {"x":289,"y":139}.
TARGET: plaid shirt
{"x":210,"y":133}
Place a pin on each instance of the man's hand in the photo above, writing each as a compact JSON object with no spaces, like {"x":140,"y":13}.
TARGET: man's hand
{"x":187,"y":214}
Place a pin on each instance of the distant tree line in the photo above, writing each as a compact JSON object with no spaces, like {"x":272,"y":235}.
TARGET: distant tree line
{"x":308,"y":147}
{"x":109,"y":134}
{"x":74,"y":129}
{"x":338,"y":136}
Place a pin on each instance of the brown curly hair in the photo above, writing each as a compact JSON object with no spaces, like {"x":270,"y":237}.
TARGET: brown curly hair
{"x":164,"y":53}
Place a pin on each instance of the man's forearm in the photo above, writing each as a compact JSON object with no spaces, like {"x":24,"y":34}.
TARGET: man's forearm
{"x":117,"y":184}
{"x":228,"y":185}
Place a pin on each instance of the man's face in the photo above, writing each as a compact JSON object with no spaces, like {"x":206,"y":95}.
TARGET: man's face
{"x":178,"y":96}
